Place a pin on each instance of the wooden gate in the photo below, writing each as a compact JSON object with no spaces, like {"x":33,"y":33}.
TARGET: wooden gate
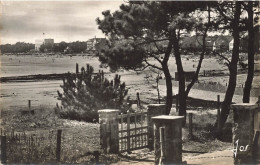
{"x":133,"y":131}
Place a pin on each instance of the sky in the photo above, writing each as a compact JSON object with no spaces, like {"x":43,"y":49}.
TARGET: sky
{"x":26,"y":21}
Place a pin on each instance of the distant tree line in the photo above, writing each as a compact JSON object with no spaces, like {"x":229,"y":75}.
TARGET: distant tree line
{"x":19,"y":47}
{"x":217,"y":43}
{"x":73,"y":47}
{"x":62,"y":47}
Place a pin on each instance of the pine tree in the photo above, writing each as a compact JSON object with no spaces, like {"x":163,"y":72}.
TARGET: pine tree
{"x":85,"y":93}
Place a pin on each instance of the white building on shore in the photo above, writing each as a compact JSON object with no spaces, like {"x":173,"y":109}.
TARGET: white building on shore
{"x":47,"y":41}
{"x":38,"y":44}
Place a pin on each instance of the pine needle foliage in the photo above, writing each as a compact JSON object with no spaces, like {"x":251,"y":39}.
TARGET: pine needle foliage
{"x":86,"y":92}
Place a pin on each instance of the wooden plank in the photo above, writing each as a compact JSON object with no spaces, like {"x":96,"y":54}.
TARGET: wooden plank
{"x":128,"y":131}
{"x":137,"y":148}
{"x":190,"y":125}
{"x":177,"y":103}
{"x":137,"y":135}
{"x":135,"y":130}
{"x":132,"y":129}
{"x":29,"y":104}
{"x":138,"y":100}
{"x":122,"y":130}
{"x":218,"y":112}
{"x":3,"y":150}
{"x":142,"y":140}
{"x":58,"y":148}
{"x":256,"y":121}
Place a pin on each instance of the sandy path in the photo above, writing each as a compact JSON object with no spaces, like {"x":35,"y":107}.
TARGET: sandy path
{"x":219,"y":157}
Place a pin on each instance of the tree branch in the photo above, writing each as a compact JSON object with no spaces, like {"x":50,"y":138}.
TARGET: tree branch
{"x":154,"y":66}
{"x":198,"y":41}
{"x":158,"y":47}
{"x":155,"y":57}
{"x":223,"y":14}
{"x":195,"y":77}
{"x":168,"y":52}
{"x":225,"y":58}
{"x":142,"y":69}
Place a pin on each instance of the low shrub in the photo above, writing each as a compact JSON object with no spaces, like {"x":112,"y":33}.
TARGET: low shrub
{"x":85,"y":93}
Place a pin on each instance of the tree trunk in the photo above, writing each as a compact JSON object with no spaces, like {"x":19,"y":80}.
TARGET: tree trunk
{"x":158,"y":91}
{"x":225,"y":108}
{"x":168,"y":77}
{"x":195,"y":77}
{"x":251,"y":53}
{"x":169,"y":97}
{"x":182,"y":95}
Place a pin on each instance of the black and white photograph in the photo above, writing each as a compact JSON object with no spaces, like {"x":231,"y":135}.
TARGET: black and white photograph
{"x":130,"y":82}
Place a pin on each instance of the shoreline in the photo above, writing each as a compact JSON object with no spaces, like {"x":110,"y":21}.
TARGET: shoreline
{"x":34,"y":78}
{"x":30,"y":78}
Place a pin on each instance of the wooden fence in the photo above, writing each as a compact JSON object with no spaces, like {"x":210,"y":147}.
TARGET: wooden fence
{"x":21,"y":147}
{"x":133,"y":131}
{"x":48,"y":147}
{"x":215,"y":87}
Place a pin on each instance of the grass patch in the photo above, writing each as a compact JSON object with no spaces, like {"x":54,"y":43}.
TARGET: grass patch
{"x":35,"y":136}
{"x":43,"y":117}
{"x":80,"y":139}
{"x":204,"y":139}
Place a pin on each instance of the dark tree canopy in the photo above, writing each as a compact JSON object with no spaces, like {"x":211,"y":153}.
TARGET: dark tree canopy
{"x":150,"y":29}
{"x":19,"y":47}
{"x":126,"y":55}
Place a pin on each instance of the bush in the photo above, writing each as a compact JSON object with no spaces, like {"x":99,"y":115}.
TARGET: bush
{"x":85,"y":93}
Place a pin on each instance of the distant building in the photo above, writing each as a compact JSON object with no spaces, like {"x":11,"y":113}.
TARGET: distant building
{"x":221,"y":43}
{"x":194,"y":43}
{"x":38,"y":44}
{"x":67,"y":50}
{"x":49,"y":41}
{"x":243,"y":42}
{"x":91,"y":43}
{"x":231,"y":43}
{"x":243,"y":45}
{"x":213,"y":43}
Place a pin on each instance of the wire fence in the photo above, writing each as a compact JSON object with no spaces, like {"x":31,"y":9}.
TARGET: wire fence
{"x":48,"y":147}
{"x":200,"y":126}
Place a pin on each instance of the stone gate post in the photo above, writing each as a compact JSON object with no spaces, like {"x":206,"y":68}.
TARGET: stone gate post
{"x":172,"y":138}
{"x":243,"y":132}
{"x":109,"y":138}
{"x":152,"y":111}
